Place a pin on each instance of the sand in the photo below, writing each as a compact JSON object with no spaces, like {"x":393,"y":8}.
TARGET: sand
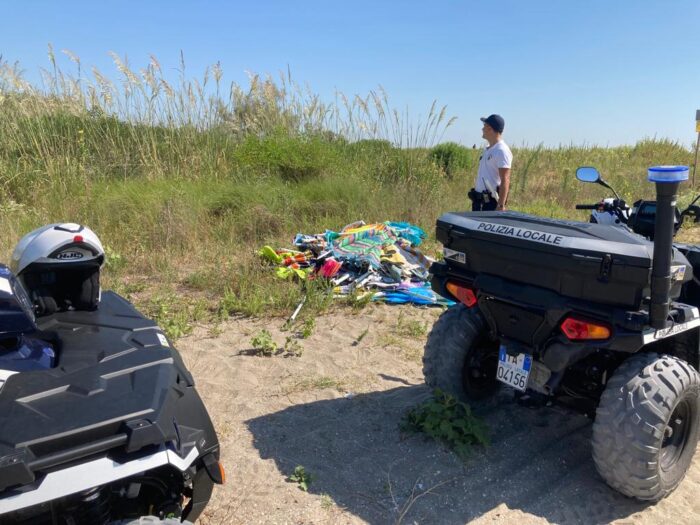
{"x":336,"y":411}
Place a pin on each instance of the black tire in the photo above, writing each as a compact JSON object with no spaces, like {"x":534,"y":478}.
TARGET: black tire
{"x":686,"y":349}
{"x":459,"y":357}
{"x":646,"y":426}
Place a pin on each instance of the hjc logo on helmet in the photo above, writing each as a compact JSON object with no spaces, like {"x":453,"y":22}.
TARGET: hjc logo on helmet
{"x":69,"y":255}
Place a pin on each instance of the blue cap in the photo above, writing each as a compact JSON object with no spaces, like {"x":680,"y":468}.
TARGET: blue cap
{"x":668,"y":173}
{"x":496,"y":122}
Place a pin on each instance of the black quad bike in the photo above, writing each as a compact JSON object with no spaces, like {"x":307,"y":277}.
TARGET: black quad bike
{"x":100,"y":422}
{"x":640,"y":218}
{"x":591,"y":315}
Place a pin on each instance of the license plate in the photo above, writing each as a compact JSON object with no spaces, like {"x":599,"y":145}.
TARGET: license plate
{"x":513,"y":370}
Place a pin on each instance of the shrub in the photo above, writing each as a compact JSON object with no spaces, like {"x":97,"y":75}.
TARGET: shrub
{"x":292,"y":158}
{"x":451,"y":157}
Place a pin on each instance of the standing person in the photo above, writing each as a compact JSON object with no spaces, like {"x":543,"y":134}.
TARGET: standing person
{"x":493,"y":178}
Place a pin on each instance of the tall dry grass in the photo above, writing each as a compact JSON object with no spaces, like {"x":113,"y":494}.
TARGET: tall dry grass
{"x":184,"y":179}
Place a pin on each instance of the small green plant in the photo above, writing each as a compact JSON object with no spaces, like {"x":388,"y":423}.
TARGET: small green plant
{"x":319,"y":295}
{"x":307,"y":328}
{"x":263,"y":343}
{"x":215,"y":330}
{"x":301,"y":477}
{"x":171,"y":315}
{"x":386,"y":340}
{"x":447,"y":420}
{"x":361,"y":337}
{"x":113,"y":260}
{"x":228,"y":304}
{"x":293,"y":347}
{"x":410,"y":327}
{"x":326,"y":502}
{"x":358,"y":300}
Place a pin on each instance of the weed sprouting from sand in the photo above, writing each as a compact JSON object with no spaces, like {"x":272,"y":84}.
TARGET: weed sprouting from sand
{"x":361,"y":337}
{"x":448,"y":420}
{"x":301,"y":477}
{"x":307,"y":328}
{"x":293,"y":347}
{"x":327,"y":502}
{"x":410,"y":327}
{"x":171,"y":315}
{"x":263,"y":344}
{"x":358,"y":299}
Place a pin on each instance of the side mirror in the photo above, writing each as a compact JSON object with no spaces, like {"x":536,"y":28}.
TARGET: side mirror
{"x":587,"y":174}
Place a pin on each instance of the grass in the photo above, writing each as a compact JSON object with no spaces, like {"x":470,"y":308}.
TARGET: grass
{"x":185,"y":181}
{"x":308,"y":384}
{"x":410,"y":327}
{"x":327,"y":502}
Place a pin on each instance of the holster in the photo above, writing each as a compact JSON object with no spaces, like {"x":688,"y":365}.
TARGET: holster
{"x":479,"y":196}
{"x":475,"y":196}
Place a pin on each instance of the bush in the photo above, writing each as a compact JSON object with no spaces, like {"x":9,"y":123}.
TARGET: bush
{"x":292,"y":158}
{"x":371,"y":147}
{"x":451,"y":157}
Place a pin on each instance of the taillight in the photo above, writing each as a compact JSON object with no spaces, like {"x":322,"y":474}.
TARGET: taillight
{"x":462,"y":292}
{"x":581,"y":329}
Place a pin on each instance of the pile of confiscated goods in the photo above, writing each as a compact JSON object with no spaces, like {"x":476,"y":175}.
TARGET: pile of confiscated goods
{"x":378,"y":259}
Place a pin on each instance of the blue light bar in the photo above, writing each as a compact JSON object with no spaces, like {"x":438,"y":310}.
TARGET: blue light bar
{"x":668,"y":173}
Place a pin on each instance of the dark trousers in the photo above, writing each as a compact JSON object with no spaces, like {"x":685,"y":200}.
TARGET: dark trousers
{"x":479,"y":203}
{"x":491,"y":205}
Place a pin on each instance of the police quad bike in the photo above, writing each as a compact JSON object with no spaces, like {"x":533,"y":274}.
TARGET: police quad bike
{"x":99,"y":418}
{"x":597,"y":317}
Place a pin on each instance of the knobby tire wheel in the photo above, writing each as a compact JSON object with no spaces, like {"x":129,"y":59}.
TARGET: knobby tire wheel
{"x":459,"y":357}
{"x":647,"y":424}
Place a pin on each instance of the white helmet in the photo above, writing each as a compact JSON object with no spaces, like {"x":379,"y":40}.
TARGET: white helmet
{"x":59,"y":266}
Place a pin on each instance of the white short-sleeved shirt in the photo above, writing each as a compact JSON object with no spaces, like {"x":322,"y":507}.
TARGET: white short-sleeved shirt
{"x":492,"y":158}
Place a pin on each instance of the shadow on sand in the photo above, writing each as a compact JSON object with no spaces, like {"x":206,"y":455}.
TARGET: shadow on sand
{"x":539,"y":462}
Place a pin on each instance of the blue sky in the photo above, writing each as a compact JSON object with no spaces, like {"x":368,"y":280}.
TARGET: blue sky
{"x":594,"y":72}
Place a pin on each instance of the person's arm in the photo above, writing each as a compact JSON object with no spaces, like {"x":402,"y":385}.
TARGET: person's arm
{"x":505,"y":186}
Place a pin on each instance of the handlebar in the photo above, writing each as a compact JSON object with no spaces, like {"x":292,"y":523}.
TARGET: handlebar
{"x":587,"y":206}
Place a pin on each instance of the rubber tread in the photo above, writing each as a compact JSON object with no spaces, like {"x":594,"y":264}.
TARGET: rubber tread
{"x":447,"y":346}
{"x":631,"y":419}
{"x":686,"y":348}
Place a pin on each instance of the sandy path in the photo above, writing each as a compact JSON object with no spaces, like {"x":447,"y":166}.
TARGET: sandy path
{"x":336,"y":411}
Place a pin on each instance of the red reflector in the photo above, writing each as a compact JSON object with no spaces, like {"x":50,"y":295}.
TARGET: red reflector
{"x":463,"y":293}
{"x":78,"y":238}
{"x":579,"y":329}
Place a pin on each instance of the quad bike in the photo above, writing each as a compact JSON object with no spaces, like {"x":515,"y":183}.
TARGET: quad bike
{"x":596,"y":317}
{"x":640,"y":218}
{"x":101,"y":423}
